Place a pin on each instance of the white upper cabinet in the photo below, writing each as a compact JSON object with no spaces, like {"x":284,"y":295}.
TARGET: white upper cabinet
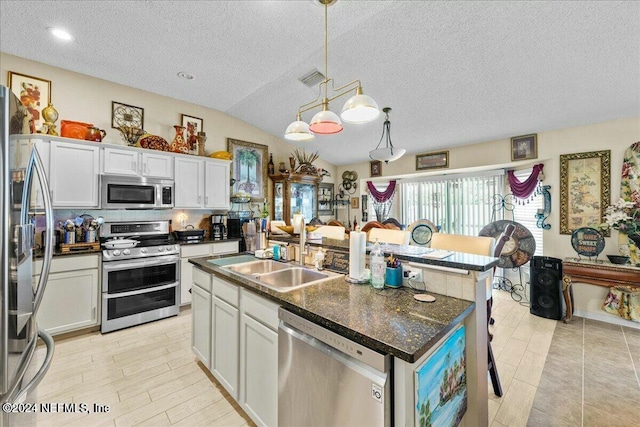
{"x":74,"y":175}
{"x":216,"y":185}
{"x":201,"y":183}
{"x":132,"y":162}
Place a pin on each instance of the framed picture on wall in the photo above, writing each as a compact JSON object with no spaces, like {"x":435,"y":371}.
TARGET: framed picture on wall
{"x":355,"y":203}
{"x":524,"y":147}
{"x":126,"y":115}
{"x":34,"y":93}
{"x":435,"y":160}
{"x":249,"y":168}
{"x":192,"y":125}
{"x":585,"y":180}
{"x":375,"y":168}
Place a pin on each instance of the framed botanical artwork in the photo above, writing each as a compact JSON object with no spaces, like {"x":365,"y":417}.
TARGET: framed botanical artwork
{"x":435,"y":160}
{"x":126,"y":115}
{"x":375,"y":168}
{"x":355,"y":203}
{"x":35,"y":94}
{"x":585,"y":180}
{"x":193,"y":125}
{"x":524,"y":147}
{"x":249,"y":168}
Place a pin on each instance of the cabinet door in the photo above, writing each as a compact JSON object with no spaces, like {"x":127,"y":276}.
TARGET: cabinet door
{"x":216,"y":185}
{"x":186,"y":281}
{"x":224,"y":340}
{"x":189,"y":180}
{"x":74,"y":173}
{"x":157,"y":165}
{"x":259,"y":371}
{"x":120,"y":162}
{"x":201,"y":324}
{"x":70,"y":301}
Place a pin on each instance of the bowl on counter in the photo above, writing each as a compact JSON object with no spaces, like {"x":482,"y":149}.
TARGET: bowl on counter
{"x":289,"y":228}
{"x":618,"y":259}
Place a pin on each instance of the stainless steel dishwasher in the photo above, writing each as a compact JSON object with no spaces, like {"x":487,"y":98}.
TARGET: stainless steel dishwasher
{"x":325,"y":379}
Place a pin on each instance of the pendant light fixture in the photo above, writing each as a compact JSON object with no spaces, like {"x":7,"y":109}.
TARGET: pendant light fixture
{"x":389,"y":153}
{"x":359,"y":108}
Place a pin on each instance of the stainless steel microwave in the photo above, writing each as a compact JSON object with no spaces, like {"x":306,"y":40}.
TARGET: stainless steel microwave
{"x":129,"y":192}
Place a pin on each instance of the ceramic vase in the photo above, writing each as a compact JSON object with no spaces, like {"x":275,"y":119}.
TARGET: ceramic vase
{"x":50,"y":115}
{"x":202,"y":139}
{"x":179,"y":145}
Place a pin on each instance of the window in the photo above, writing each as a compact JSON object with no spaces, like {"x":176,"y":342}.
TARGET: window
{"x":525,"y":211}
{"x":459,"y":204}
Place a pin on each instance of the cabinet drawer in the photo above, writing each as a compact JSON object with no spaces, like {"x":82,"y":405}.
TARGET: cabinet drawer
{"x":68,"y":263}
{"x":226,"y":291}
{"x":188,"y":251}
{"x":201,"y":279}
{"x":261,"y":309}
{"x":225,"y":248}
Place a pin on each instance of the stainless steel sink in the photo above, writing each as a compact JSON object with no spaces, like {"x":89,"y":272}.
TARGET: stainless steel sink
{"x":258,"y":267}
{"x":281,"y":277}
{"x":294,"y":278}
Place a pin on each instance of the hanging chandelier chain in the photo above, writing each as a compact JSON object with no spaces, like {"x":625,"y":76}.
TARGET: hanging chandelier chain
{"x":386,"y":127}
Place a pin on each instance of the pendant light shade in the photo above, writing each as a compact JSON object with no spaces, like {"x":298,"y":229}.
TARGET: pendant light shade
{"x":360,"y":108}
{"x":326,"y":122}
{"x":298,"y":131}
{"x":388,"y":153}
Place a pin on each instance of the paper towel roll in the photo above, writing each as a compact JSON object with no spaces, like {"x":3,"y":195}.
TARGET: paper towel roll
{"x":357,"y":254}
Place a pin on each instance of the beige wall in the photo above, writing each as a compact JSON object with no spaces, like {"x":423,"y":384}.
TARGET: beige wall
{"x":87,"y":99}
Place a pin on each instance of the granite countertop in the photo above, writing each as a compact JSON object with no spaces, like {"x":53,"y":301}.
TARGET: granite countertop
{"x":409,"y":253}
{"x":389,"y":321}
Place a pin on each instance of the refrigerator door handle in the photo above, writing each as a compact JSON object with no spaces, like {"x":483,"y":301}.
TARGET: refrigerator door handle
{"x":48,"y":340}
{"x":21,"y":368}
{"x":35,"y":162}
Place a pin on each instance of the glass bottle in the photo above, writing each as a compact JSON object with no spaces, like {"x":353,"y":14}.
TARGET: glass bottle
{"x":378,"y":266}
{"x":272,"y":167}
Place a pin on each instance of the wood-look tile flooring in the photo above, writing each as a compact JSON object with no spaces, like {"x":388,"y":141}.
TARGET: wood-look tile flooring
{"x":582,"y":374}
{"x":148,"y":375}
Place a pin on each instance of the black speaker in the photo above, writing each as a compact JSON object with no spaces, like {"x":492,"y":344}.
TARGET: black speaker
{"x":546,"y":287}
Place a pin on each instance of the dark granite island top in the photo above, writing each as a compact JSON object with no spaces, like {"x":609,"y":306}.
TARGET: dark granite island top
{"x":409,"y":253}
{"x":389,"y":321}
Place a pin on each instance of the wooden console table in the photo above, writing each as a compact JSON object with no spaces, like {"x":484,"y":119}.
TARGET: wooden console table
{"x":596,"y":273}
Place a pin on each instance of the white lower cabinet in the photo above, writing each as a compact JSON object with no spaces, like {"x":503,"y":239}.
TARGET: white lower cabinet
{"x":71,"y":297}
{"x":199,"y":250}
{"x":259,"y":359}
{"x":201,"y":324}
{"x":243,"y":339}
{"x":224,"y":340}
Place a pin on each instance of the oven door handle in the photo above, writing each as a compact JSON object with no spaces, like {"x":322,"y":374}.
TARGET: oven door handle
{"x":140,"y":291}
{"x":127,"y":265}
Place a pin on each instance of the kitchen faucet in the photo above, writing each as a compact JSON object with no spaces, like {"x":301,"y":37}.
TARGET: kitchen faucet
{"x":303,"y":236}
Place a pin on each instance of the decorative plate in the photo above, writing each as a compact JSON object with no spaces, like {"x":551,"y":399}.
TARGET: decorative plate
{"x":421,"y":232}
{"x":153,"y":142}
{"x":518,"y":247}
{"x":587,"y":241}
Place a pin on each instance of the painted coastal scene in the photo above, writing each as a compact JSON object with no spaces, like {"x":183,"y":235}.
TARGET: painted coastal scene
{"x":441,"y":385}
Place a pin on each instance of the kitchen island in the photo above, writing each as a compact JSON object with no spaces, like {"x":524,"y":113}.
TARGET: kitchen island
{"x":391,"y":321}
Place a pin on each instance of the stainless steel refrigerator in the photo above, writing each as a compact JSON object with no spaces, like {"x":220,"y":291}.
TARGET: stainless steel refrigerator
{"x":20,"y":170}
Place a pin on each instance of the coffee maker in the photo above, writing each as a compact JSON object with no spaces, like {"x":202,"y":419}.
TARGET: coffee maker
{"x":218,"y":227}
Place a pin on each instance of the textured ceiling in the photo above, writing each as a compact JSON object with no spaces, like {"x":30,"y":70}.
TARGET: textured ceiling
{"x":455,"y":73}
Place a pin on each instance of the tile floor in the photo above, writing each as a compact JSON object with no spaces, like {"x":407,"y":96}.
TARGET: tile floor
{"x":148,"y":375}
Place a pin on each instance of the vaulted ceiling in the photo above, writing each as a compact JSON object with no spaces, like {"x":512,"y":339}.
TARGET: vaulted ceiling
{"x":455,"y":73}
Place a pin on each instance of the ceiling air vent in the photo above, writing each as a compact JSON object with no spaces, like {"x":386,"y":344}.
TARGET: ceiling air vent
{"x":312,"y":78}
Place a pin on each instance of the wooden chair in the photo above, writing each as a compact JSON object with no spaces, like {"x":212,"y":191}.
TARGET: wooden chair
{"x":477,"y":245}
{"x":316,"y":221}
{"x":371,"y":224}
{"x":331,"y":232}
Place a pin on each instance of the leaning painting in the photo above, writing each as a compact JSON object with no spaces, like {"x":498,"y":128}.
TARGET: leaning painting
{"x":441,"y":384}
{"x":584,"y":193}
{"x":249,"y":168}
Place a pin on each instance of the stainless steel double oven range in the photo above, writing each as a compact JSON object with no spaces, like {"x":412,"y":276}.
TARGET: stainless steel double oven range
{"x":140,"y":283}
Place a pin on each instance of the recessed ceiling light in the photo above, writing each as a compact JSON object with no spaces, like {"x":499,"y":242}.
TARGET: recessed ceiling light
{"x":60,"y":33}
{"x":185,"y":75}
